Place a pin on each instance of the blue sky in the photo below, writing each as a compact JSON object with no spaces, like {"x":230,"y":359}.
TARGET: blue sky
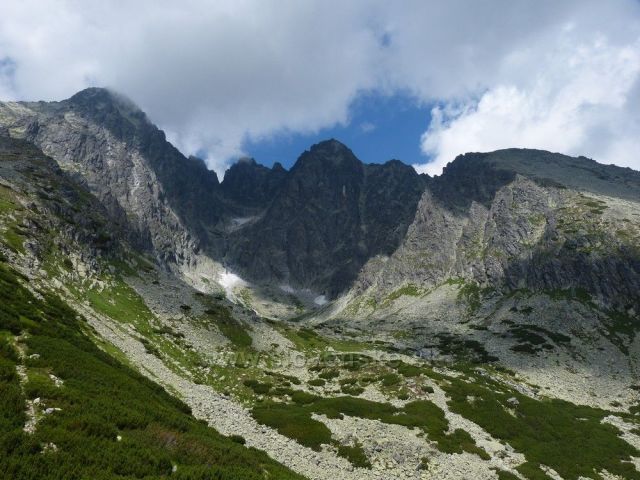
{"x":380,"y":128}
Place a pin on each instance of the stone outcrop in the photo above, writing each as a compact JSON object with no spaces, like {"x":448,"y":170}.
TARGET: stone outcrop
{"x":523,"y":219}
{"x":330,"y":215}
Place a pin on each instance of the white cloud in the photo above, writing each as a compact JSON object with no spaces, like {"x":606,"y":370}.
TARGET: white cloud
{"x":580,"y":102}
{"x":367,"y":127}
{"x":210,"y":73}
{"x":213,"y":74}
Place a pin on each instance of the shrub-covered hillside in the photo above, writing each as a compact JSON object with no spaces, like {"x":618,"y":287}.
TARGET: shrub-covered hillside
{"x":70,"y":411}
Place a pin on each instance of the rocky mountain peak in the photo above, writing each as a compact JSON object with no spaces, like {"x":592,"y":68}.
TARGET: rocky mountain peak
{"x":103,"y":104}
{"x":278,"y":167}
{"x":126,"y":161}
{"x":476,"y":177}
{"x":515,"y":273}
{"x":251,"y":184}
{"x":93,"y":95}
{"x":329,"y":154}
{"x":330,"y":215}
{"x":315,"y":226}
{"x":330,"y":145}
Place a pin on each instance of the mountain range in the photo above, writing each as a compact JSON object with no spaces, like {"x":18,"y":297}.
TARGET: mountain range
{"x":502,"y":292}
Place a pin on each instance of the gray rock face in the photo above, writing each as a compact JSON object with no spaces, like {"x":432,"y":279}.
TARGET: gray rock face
{"x":157,"y":199}
{"x":252,"y":185}
{"x":61,"y":217}
{"x":330,"y":215}
{"x":109,"y":145}
{"x":573,"y":229}
{"x":314,"y":226}
{"x":508,"y":220}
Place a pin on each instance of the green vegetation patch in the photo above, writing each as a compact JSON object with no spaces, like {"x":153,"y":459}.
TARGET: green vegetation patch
{"x":12,"y":401}
{"x":230,"y":327}
{"x":594,"y":205}
{"x":471,"y":294}
{"x":532,"y":339}
{"x":353,"y":386}
{"x":100,"y":401}
{"x":355,"y":454}
{"x":578,"y":294}
{"x":11,"y":212}
{"x":409,"y":371}
{"x":390,"y":380}
{"x":504,"y":475}
{"x":330,"y":374}
{"x":532,"y":471}
{"x":14,"y":239}
{"x":303,"y":398}
{"x":8,"y":201}
{"x":409,"y":290}
{"x":621,"y":329}
{"x":259,"y":388}
{"x":464,"y":349}
{"x":351,"y":389}
{"x":120,"y":302}
{"x":570,"y":439}
{"x":287,"y":379}
{"x":353,"y":361}
{"x":308,"y":340}
{"x":295,"y":420}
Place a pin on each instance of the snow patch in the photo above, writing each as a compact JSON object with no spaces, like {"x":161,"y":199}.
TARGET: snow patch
{"x":287,"y":288}
{"x":229,"y":280}
{"x":239,"y":221}
{"x":320,"y":300}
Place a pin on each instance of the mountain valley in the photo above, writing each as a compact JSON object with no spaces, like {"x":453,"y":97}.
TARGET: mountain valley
{"x":334,"y":320}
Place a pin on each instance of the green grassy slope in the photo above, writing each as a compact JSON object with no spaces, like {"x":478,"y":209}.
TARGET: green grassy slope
{"x":112,"y":422}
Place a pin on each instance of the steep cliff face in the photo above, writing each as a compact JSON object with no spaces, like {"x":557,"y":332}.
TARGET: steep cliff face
{"x":510,"y":219}
{"x":252,"y":185}
{"x":330,"y":215}
{"x":167,"y":200}
{"x":48,"y":220}
{"x":312,"y":227}
{"x":522,"y":219}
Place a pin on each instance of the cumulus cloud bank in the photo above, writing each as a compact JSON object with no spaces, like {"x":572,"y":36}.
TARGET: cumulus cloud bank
{"x":563,"y":76}
{"x":584,"y":101}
